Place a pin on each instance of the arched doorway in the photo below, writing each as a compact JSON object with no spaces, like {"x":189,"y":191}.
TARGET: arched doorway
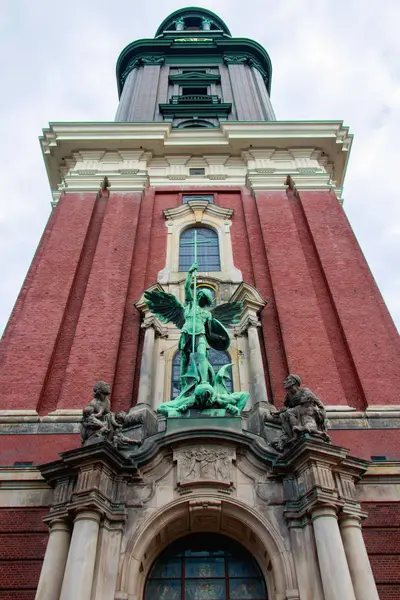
{"x":205,"y":566}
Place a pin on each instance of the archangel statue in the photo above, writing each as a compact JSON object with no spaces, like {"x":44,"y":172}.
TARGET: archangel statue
{"x":201,"y":328}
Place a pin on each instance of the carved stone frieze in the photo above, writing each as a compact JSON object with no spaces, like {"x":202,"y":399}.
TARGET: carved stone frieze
{"x":204,"y":465}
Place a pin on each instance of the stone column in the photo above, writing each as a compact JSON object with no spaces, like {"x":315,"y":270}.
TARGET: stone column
{"x":106,"y":570}
{"x":52,"y":573}
{"x":78,"y":578}
{"x":335,"y":575}
{"x":305,"y":559}
{"x":357,"y":558}
{"x":256,"y":365}
{"x":147,"y":366}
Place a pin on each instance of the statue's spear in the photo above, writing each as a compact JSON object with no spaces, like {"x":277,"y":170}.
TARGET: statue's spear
{"x":192,"y":372}
{"x":194,"y":293}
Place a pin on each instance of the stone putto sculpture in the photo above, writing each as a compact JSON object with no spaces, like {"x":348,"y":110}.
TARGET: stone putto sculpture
{"x":201,"y":329}
{"x":99,"y":422}
{"x":304,"y":413}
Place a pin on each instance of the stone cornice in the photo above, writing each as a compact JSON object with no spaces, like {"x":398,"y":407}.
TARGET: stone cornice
{"x":313,"y":153}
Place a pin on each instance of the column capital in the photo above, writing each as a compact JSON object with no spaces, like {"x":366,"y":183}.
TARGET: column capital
{"x":324,"y":510}
{"x":57,"y":524}
{"x":351,"y":519}
{"x":88,"y":515}
{"x":150,"y":321}
{"x":319,"y":478}
{"x":95,"y":477}
{"x":245,"y":324}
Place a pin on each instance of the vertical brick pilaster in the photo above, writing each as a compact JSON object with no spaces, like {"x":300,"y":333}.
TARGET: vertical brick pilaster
{"x":306,"y":343}
{"x":275,"y":356}
{"x":95,"y":347}
{"x":129,"y":344}
{"x":29,"y":342}
{"x":366,"y":324}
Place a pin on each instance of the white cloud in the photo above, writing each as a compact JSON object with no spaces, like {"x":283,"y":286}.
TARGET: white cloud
{"x":331,"y":60}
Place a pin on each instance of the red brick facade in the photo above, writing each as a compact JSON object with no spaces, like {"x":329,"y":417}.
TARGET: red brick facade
{"x":23,"y":540}
{"x":74,"y":321}
{"x":382,"y":537}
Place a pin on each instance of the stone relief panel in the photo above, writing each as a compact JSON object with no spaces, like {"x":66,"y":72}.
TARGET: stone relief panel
{"x":204,"y":465}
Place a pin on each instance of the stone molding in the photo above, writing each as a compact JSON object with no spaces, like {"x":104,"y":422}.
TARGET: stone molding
{"x":315,"y":152}
{"x":148,"y":319}
{"x":213,"y":513}
{"x":253,"y":303}
{"x":317,"y":475}
{"x":91,"y":478}
{"x":204,"y":213}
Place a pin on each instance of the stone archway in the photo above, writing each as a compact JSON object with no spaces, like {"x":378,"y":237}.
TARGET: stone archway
{"x":214,"y":514}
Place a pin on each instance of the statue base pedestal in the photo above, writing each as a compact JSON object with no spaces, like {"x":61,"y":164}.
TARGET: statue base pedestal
{"x":199,"y":420}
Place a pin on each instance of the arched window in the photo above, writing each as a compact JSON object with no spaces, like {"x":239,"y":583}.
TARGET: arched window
{"x":205,"y":566}
{"x":204,"y":123}
{"x":217,"y":358}
{"x":207,"y":249}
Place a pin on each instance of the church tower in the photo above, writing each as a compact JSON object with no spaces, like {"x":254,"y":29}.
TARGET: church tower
{"x":199,"y":291}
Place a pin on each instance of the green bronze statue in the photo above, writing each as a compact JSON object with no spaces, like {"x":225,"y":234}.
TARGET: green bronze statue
{"x":201,"y":328}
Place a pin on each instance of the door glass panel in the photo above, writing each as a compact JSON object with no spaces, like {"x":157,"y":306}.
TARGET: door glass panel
{"x":205,"y":567}
{"x":205,"y":589}
{"x":246,"y":588}
{"x":168,"y":569}
{"x":164,"y":589}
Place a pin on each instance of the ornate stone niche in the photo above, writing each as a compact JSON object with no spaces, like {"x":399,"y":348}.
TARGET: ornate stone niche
{"x":161,"y":342}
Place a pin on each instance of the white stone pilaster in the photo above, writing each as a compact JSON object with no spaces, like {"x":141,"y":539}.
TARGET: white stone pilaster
{"x":52,"y":573}
{"x":357,"y":558}
{"x":78,"y":578}
{"x":106,"y":570}
{"x":147,"y":366}
{"x":259,"y":387}
{"x":305,"y":560}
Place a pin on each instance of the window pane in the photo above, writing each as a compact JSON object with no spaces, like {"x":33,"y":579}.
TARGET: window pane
{"x":214,"y":568}
{"x":198,"y":567}
{"x":188,"y":198}
{"x":205,"y":589}
{"x":171,"y":568}
{"x":207,"y":250}
{"x":217,"y":358}
{"x":241,"y":589}
{"x":163,"y":589}
{"x":240,"y":568}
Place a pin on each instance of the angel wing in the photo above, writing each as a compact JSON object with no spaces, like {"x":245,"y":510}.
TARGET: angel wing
{"x":227,"y":313}
{"x":166,"y":307}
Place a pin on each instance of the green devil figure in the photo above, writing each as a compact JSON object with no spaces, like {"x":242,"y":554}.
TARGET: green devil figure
{"x":201,"y":328}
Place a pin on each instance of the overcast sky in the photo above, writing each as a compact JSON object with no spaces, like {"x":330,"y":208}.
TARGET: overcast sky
{"x":332,"y":59}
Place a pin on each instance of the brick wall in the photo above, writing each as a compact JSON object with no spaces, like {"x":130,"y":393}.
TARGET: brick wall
{"x":75,"y":322}
{"x":31,"y":335}
{"x":35,"y":448}
{"x":23,"y":540}
{"x":381,"y":532}
{"x":365,"y":443}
